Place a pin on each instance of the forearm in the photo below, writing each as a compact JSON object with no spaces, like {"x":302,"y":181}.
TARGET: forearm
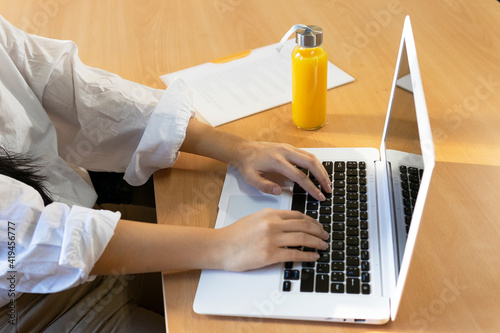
{"x":143,"y":247}
{"x":202,"y":139}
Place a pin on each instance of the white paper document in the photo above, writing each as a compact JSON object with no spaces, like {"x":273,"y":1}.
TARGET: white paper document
{"x":224,"y":92}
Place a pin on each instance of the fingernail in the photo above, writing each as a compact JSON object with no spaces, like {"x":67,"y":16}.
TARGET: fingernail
{"x":326,"y":235}
{"x":321,"y":197}
{"x":276,"y":190}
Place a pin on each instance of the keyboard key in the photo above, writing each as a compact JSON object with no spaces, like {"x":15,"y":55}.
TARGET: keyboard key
{"x":338,"y":277}
{"x":352,"y":196}
{"x":339,"y":183}
{"x":338,"y":255}
{"x":352,"y":261}
{"x":338,"y":200}
{"x":327,"y":219}
{"x":287,"y":285}
{"x":312,"y":213}
{"x":298,"y":189}
{"x":323,"y":268}
{"x":364,"y":234}
{"x":365,"y":266}
{"x":365,"y":289}
{"x":328,"y":165}
{"x":324,"y":257}
{"x":363,"y":224}
{"x":338,"y":226}
{"x":352,"y":222}
{"x":352,"y":165}
{"x":351,"y":204}
{"x":299,"y":202}
{"x":313,"y":205}
{"x":291,"y":274}
{"x":352,"y":180}
{"x":338,"y":266}
{"x":352,"y":271}
{"x":307,"y":280}
{"x":338,"y":245}
{"x":337,"y":288}
{"x":309,"y":264}
{"x":325,"y":210}
{"x":338,"y":208}
{"x":339,"y":176}
{"x":352,"y":251}
{"x":352,"y":188}
{"x":351,"y":172}
{"x":352,"y":286}
{"x":413,"y":171}
{"x":353,"y":241}
{"x":337,"y":235}
{"x":339,"y":166}
{"x":352,"y":231}
{"x":365,"y":277}
{"x":339,"y":191}
{"x":338,"y":217}
{"x":322,"y":283}
{"x":352,"y":213}
{"x":326,"y":202}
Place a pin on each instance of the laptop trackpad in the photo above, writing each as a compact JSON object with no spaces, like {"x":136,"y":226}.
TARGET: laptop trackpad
{"x":242,"y":205}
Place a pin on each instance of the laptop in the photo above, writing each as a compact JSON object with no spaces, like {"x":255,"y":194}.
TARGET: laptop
{"x":373,"y":217}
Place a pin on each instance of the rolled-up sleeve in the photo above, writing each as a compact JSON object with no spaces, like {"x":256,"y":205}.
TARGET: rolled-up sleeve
{"x":55,"y":246}
{"x":103,"y":122}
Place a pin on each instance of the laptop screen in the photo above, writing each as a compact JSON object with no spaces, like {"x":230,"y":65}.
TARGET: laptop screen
{"x":403,"y":153}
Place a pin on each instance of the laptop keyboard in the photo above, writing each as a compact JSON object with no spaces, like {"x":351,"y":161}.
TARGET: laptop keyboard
{"x":410,"y":184}
{"x":345,"y":266}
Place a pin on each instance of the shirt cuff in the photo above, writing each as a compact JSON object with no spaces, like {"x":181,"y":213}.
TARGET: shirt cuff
{"x":164,"y":134}
{"x":86,"y":235}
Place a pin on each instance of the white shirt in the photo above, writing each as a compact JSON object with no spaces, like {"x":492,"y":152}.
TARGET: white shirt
{"x":57,"y":109}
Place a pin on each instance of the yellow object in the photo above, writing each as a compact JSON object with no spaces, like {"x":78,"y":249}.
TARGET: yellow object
{"x":309,"y":78}
{"x":232,"y":57}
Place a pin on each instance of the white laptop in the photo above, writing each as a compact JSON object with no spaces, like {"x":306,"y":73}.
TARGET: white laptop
{"x":373,"y":216}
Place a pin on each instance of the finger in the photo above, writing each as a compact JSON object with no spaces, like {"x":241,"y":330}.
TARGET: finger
{"x":304,"y":226}
{"x":293,"y":239}
{"x":304,"y":181}
{"x":287,"y":215}
{"x":262,"y":184}
{"x":310,"y":162}
{"x":284,"y":255}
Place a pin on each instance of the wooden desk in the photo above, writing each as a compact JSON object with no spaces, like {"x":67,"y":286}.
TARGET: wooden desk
{"x":452,"y":285}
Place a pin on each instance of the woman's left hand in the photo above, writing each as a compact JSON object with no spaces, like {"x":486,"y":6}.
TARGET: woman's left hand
{"x":257,"y":159}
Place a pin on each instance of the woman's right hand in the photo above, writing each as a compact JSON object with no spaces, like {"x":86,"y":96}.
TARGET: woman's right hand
{"x":264,"y":238}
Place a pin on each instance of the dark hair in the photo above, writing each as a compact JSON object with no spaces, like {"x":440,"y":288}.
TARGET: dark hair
{"x":24,"y":169}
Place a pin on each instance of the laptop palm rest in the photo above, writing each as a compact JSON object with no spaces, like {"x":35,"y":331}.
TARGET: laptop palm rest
{"x":241,"y":205}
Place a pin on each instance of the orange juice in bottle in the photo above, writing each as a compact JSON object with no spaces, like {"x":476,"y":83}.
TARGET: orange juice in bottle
{"x":309,"y":77}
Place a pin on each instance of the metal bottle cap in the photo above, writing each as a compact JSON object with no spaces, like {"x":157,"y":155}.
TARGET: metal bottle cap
{"x":311,"y":36}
